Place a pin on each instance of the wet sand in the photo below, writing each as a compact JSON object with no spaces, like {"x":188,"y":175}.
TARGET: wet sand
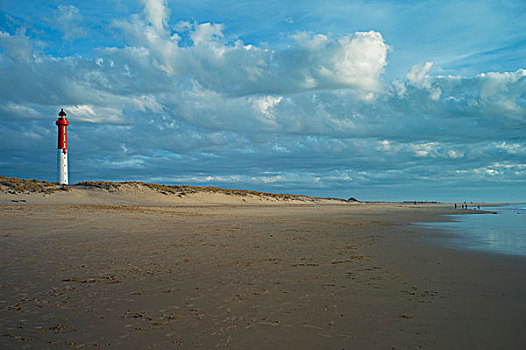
{"x":261,"y":276}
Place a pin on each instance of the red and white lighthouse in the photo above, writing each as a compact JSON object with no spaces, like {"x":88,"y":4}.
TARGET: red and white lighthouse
{"x":62,"y":154}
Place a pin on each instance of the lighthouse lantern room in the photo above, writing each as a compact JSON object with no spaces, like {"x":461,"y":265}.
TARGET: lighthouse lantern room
{"x":62,"y":152}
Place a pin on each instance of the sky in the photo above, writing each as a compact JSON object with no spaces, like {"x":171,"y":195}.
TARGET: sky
{"x":377,"y":100}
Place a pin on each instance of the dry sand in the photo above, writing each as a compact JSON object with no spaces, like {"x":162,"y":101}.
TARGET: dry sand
{"x":124,"y":270}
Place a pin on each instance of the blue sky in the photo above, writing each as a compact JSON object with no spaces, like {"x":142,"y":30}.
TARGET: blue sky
{"x":379,"y":100}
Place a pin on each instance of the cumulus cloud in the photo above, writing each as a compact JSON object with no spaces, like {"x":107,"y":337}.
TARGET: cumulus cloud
{"x":69,"y":21}
{"x":503,"y":92}
{"x":17,"y":46}
{"x":156,"y":14}
{"x":418,"y":76}
{"x":229,"y":66}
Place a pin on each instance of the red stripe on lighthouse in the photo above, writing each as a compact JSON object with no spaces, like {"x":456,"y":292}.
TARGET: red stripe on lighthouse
{"x":62,"y":124}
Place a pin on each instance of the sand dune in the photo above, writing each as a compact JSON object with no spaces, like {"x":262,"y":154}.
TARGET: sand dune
{"x":140,"y":193}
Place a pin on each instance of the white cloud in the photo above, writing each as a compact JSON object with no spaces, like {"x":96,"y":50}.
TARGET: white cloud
{"x":206,"y":34}
{"x":93,"y":114}
{"x":503,"y":91}
{"x":511,"y":147}
{"x":226,"y":65}
{"x":455,"y":154}
{"x":511,"y":171}
{"x":418,"y":76}
{"x":69,"y":21}
{"x":266,"y":108}
{"x":358,"y":60}
{"x":19,"y":111}
{"x":18,"y":46}
{"x":157,"y":14}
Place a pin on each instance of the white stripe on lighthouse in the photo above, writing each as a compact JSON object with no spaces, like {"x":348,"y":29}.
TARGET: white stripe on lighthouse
{"x":62,"y":167}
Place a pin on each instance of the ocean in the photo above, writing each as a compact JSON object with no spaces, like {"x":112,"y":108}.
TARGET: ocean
{"x":503,"y":233}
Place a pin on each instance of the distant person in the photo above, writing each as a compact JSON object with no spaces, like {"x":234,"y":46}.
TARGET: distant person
{"x":455,"y":205}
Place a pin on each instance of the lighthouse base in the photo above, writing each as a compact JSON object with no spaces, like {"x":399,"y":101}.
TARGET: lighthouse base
{"x":62,"y":161}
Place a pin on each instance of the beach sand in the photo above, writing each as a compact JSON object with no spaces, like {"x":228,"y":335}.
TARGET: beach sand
{"x":124,"y":270}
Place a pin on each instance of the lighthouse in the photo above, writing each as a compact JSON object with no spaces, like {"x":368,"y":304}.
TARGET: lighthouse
{"x":62,"y":152}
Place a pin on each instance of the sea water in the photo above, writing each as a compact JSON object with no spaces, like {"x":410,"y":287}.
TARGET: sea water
{"x":503,"y":233}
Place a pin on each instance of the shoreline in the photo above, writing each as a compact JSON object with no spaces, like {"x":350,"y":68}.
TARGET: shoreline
{"x":249,"y":276}
{"x":499,"y":235}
